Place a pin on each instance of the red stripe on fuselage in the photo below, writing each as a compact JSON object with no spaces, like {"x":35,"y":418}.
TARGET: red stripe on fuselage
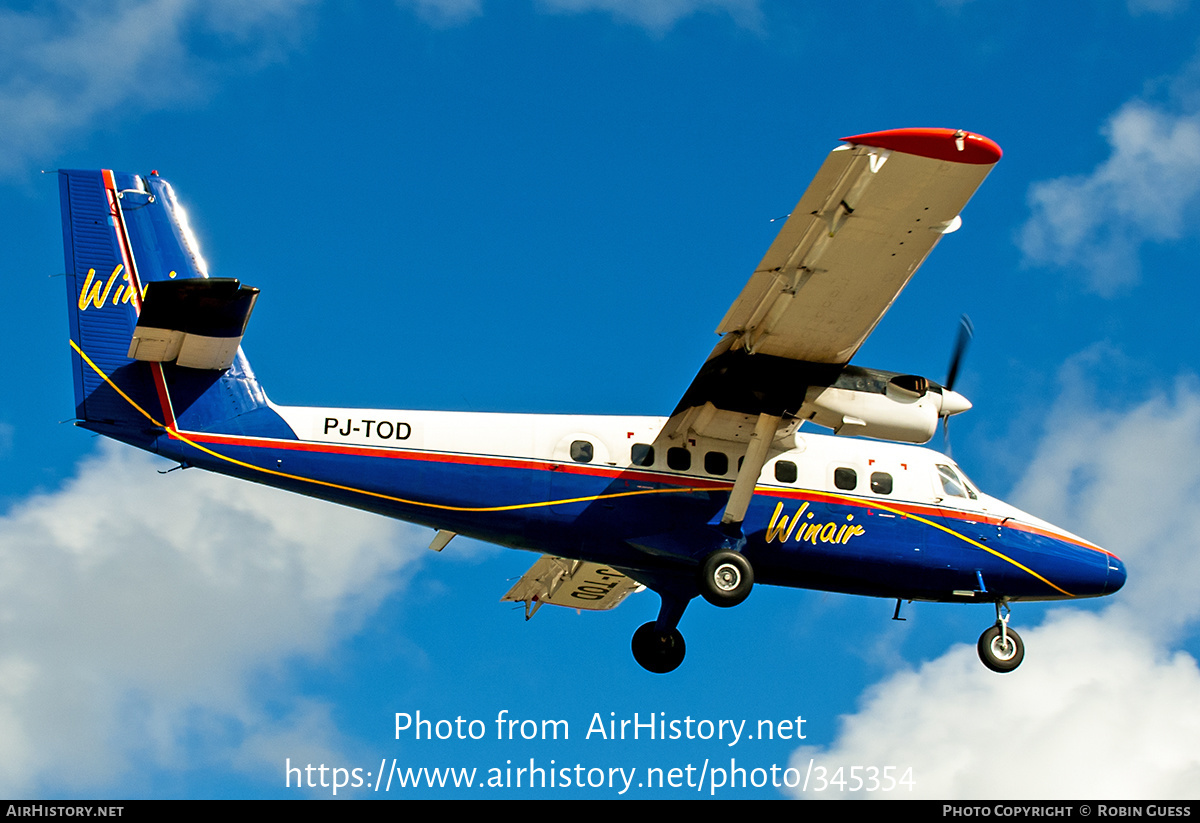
{"x":903,"y":507}
{"x":447,"y":457}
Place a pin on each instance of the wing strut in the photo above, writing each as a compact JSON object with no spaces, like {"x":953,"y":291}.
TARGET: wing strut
{"x":752,"y":464}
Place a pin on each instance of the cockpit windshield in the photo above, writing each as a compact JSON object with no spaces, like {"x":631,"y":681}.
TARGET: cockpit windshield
{"x":954,"y":484}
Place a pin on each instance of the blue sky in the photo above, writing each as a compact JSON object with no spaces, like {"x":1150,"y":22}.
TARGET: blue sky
{"x":547,"y":206}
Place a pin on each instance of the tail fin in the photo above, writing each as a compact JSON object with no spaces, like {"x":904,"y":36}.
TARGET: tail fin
{"x":139,"y":297}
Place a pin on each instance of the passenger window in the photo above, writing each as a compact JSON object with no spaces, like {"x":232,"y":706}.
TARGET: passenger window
{"x":881,"y":483}
{"x":785,"y":471}
{"x":679,"y":459}
{"x":845,"y":479}
{"x":642,"y":454}
{"x":716,"y":463}
{"x":581,"y":451}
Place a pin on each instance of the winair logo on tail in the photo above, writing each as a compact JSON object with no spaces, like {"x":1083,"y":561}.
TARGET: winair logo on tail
{"x":799,"y":528}
{"x":93,"y":295}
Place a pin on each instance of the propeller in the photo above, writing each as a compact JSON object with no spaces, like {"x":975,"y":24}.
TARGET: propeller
{"x":965,"y":332}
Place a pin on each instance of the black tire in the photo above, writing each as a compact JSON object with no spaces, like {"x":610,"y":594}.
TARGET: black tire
{"x":997,"y":657}
{"x":726,"y":578}
{"x":658,"y":653}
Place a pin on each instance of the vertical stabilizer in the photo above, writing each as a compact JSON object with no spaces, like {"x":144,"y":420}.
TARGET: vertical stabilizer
{"x":131,"y":255}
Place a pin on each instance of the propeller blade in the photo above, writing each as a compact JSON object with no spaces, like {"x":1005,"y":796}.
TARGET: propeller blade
{"x":965,"y":332}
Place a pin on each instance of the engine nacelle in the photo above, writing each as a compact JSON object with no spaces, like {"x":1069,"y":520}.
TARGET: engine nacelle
{"x":889,"y":416}
{"x":887,"y":406}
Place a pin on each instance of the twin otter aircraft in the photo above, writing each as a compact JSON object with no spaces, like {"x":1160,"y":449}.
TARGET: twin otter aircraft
{"x":724,"y":493}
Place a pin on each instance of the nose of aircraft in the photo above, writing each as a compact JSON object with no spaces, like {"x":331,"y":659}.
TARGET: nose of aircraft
{"x":1116,"y":575}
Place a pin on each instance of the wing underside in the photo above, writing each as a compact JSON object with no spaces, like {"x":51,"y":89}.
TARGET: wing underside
{"x":877,"y":207}
{"x":576,"y":584}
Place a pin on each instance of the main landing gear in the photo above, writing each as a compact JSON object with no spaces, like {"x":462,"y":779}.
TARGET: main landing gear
{"x":1000,"y":648}
{"x":725,"y":578}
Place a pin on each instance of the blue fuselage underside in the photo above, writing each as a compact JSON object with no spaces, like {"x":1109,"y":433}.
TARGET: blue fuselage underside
{"x":654,"y":524}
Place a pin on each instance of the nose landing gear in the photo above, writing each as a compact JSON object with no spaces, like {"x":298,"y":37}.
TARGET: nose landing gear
{"x":1000,"y":648}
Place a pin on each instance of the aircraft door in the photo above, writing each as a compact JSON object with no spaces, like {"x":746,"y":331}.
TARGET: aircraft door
{"x":962,"y":513}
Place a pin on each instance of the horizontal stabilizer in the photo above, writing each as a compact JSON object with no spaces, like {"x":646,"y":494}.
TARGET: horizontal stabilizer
{"x":575,"y":584}
{"x":197,"y":322}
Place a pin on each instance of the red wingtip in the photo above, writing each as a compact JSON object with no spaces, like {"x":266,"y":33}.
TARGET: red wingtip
{"x":954,"y":145}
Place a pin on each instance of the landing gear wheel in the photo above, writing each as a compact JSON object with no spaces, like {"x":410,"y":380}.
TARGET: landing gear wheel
{"x":999,"y":655}
{"x":726,"y":578}
{"x":658,"y":653}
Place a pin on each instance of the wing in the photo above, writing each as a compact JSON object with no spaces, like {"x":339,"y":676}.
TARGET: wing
{"x":577,"y":584}
{"x":877,"y":207}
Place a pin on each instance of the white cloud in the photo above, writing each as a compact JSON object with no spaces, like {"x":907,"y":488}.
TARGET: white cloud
{"x":64,"y":66}
{"x":1095,"y":711}
{"x":1163,"y":7}
{"x":661,"y":15}
{"x":1101,"y":707}
{"x":1144,"y":192}
{"x":141,"y":614}
{"x":1131,"y":480}
{"x":445,"y":12}
{"x":657,"y":16}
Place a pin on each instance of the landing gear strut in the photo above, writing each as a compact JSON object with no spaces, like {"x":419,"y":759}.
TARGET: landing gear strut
{"x":724,"y":578}
{"x":1000,"y":648}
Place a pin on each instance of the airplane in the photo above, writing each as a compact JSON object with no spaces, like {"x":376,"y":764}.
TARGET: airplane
{"x":725,"y":492}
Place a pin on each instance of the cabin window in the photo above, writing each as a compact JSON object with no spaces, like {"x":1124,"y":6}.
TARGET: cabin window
{"x":785,"y":471}
{"x":716,"y":463}
{"x":581,"y":451}
{"x":642,"y":454}
{"x":679,"y":459}
{"x":881,"y":483}
{"x":845,"y":479}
